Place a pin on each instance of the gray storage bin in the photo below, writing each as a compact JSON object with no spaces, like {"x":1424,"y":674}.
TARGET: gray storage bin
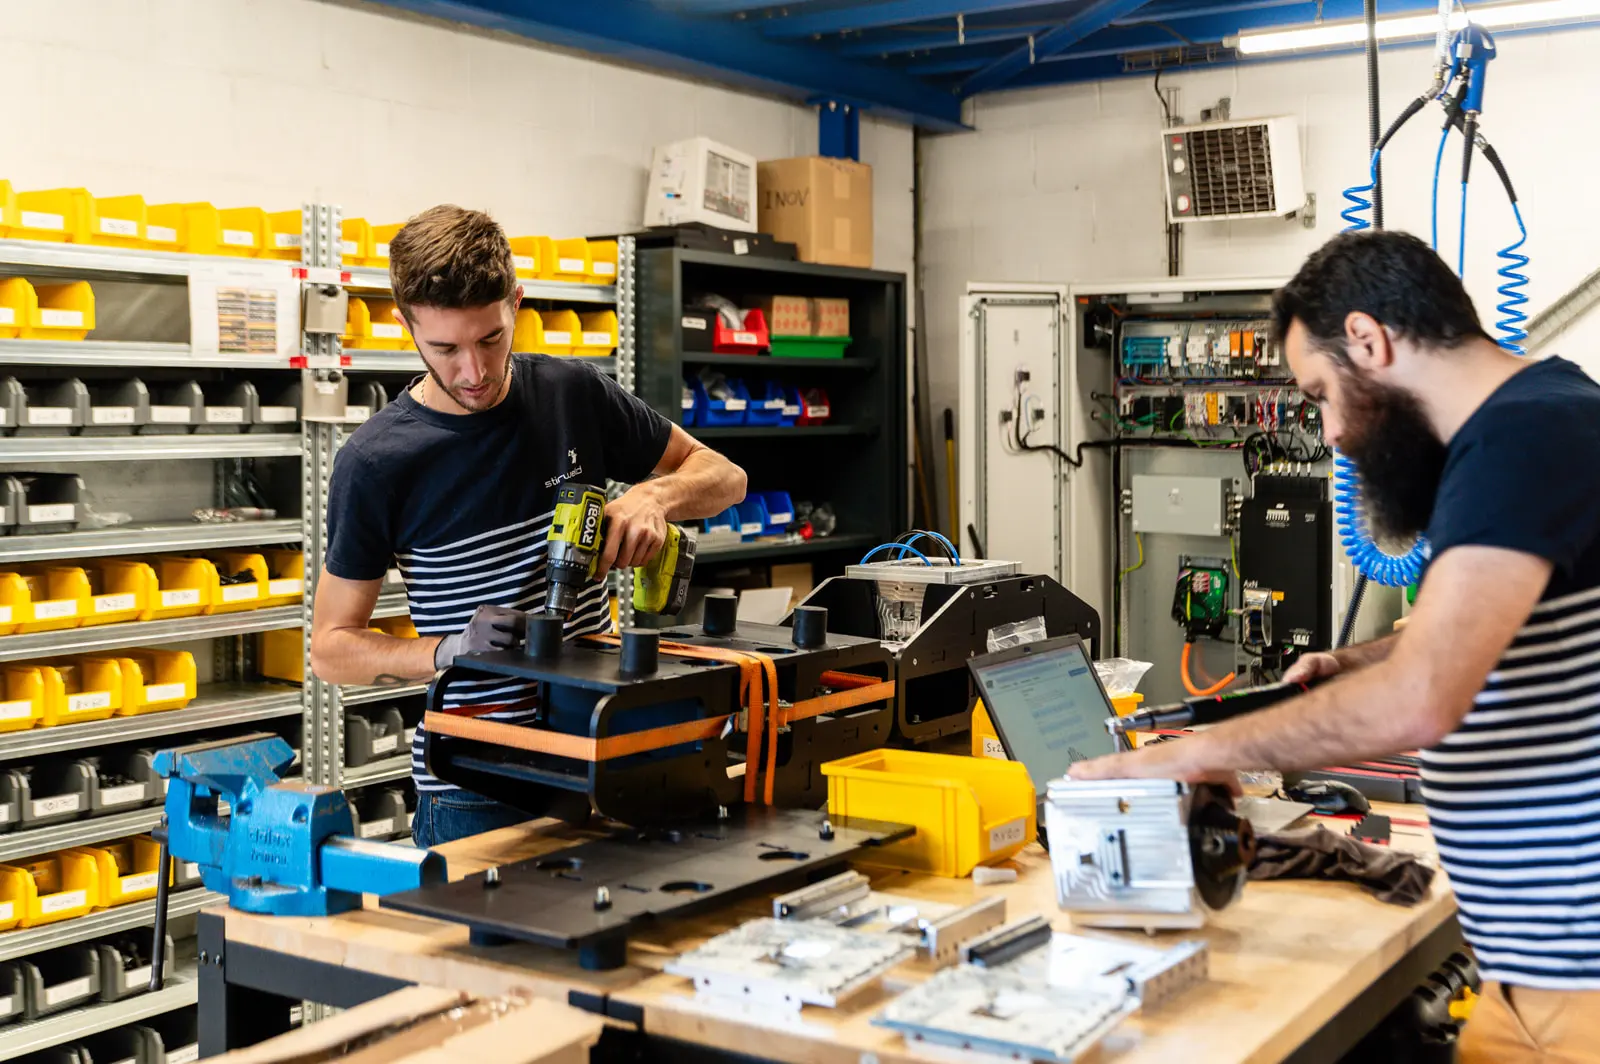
{"x":117,"y":408}
{"x":277,"y":407}
{"x":58,"y":1055}
{"x":11,"y":993}
{"x":59,"y":979}
{"x":11,"y":400}
{"x":125,"y":963}
{"x":47,"y":502}
{"x":10,"y":499}
{"x":174,"y":1036}
{"x":122,"y":780}
{"x":230,"y":406}
{"x":409,"y":792}
{"x":125,"y":1045}
{"x":175,"y":409}
{"x":365,"y":399}
{"x":380,"y":812}
{"x":53,"y":408}
{"x":185,"y":874}
{"x":50,"y":792}
{"x":372,"y":735}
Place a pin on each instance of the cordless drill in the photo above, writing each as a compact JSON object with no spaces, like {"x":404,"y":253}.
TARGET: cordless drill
{"x":577,"y":536}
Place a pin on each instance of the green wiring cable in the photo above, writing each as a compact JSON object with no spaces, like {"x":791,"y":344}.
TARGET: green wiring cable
{"x":1139,"y":539}
{"x":1233,"y":552}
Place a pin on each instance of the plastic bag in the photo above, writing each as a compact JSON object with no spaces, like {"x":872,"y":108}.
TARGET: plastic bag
{"x":1015,"y":634}
{"x":1121,"y":676}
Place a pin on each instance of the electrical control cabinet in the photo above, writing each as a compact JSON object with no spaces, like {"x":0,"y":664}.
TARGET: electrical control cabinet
{"x":1286,"y":552}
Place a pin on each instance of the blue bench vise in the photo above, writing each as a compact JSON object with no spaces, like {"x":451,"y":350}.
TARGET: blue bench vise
{"x":286,"y":848}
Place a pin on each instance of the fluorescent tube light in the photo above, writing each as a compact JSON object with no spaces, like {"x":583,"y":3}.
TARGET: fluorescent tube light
{"x":1401,"y":27}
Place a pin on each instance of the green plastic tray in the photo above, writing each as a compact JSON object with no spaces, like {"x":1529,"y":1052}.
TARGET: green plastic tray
{"x":809,"y":346}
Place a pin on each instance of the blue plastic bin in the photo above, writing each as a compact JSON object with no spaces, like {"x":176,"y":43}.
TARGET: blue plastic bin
{"x":716,"y":413}
{"x":791,"y":406}
{"x":780,"y":512}
{"x":752,"y":517}
{"x":767,"y":404}
{"x":727,"y":520}
{"x":690,"y":407}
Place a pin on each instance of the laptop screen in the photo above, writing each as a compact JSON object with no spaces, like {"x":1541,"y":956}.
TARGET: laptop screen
{"x":1049,"y":708}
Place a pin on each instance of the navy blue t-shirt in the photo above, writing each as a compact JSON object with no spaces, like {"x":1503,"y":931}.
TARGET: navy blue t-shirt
{"x":1513,"y":795}
{"x":462,"y":502}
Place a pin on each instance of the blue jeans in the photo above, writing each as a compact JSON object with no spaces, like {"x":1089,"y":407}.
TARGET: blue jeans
{"x":444,"y":816}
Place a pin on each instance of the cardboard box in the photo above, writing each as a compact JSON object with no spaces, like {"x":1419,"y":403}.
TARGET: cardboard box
{"x":786,"y":315}
{"x":830,"y":317}
{"x":699,"y":180}
{"x":822,"y":205}
{"x":797,"y":577}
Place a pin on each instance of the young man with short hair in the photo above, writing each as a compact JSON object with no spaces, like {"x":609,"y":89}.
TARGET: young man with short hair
{"x":1497,"y":459}
{"x":455,"y":481}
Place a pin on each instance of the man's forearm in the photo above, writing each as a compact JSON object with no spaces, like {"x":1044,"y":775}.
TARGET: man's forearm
{"x":360,"y":656}
{"x":703,"y":486}
{"x":1361,"y":655}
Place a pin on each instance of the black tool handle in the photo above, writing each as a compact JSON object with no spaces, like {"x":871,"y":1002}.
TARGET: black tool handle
{"x":1209,"y":709}
{"x":158,"y":945}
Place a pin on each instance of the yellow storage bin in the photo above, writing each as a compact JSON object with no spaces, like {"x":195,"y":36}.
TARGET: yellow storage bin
{"x":60,"y":583}
{"x":986,"y":741}
{"x":562,"y":330}
{"x":529,"y":335}
{"x":355,"y":241}
{"x":16,"y":299}
{"x":21,"y":697}
{"x":115,"y":595}
{"x":205,"y":230}
{"x":370,"y":326}
{"x":283,"y":236}
{"x":53,"y":605}
{"x":80,"y":689}
{"x":603,"y":261}
{"x":57,"y":215}
{"x":60,"y":312}
{"x":184,"y":587}
{"x":399,"y":627}
{"x":156,"y":680}
{"x":967,"y":811}
{"x":58,"y":886}
{"x":381,"y":236}
{"x":118,"y":221}
{"x":126,"y":871}
{"x":280,"y":655}
{"x":597,"y":333}
{"x":569,"y":261}
{"x":14,"y":884}
{"x":286,"y":577}
{"x":16,"y":603}
{"x":246,"y":595}
{"x":528,"y":253}
{"x":165,"y":226}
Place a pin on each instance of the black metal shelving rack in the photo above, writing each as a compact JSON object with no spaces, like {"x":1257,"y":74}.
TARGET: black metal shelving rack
{"x":857,"y":462}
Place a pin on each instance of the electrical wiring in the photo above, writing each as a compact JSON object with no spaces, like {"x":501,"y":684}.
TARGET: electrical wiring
{"x":904,"y":549}
{"x":1139,"y":540}
{"x":1189,"y":684}
{"x":944,"y":544}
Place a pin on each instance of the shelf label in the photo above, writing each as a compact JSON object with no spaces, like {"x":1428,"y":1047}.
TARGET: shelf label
{"x":8,"y":316}
{"x":189,"y":596}
{"x":818,"y":411}
{"x":77,"y":988}
{"x":388,"y":331}
{"x":42,"y":220}
{"x":411,"y":736}
{"x":171,"y":415}
{"x":411,"y":818}
{"x":286,"y":586}
{"x":54,"y":611}
{"x":791,"y":410}
{"x":5,"y":818}
{"x":357,"y":413}
{"x":1008,"y":834}
{"x":698,"y":324}
{"x":131,"y":792}
{"x":49,"y":415}
{"x":240,"y":592}
{"x":992,"y":747}
{"x":688,"y":402}
{"x":160,"y":234}
{"x":605,"y":269}
{"x":85,"y":702}
{"x":563,"y":337}
{"x":571,"y":266}
{"x":596,"y":339}
{"x":135,"y":883}
{"x":119,"y":227}
{"x":732,"y":404}
{"x":5,"y":614}
{"x":349,"y":247}
{"x":15,"y":711}
{"x":385,"y":744}
{"x":165,"y":692}
{"x":239,"y":238}
{"x":746,"y":338}
{"x":187,"y":1055}
{"x":750,"y":528}
{"x":393,"y":576}
{"x":5,"y":914}
{"x":191,"y":869}
{"x":521,"y":262}
{"x":285,"y":240}
{"x":780,"y":519}
{"x":67,"y":899}
{"x":71,"y":319}
{"x":134,"y":977}
{"x":373,"y":828}
{"x":278,"y":413}
{"x":773,"y":404}
{"x":49,"y":513}
{"x":8,"y":1004}
{"x":224,"y":415}
{"x":381,"y":251}
{"x":113,"y":603}
{"x":111,"y":415}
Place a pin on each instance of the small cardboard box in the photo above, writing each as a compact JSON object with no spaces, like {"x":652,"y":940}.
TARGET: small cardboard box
{"x":830,"y":317}
{"x":822,"y":205}
{"x":786,"y":315}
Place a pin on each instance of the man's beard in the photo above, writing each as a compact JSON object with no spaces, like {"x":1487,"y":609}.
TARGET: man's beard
{"x":1399,"y":456}
{"x":466,"y":402}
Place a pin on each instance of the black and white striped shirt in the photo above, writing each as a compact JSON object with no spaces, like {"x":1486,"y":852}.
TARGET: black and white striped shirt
{"x":1514,"y":793}
{"x":462,"y":503}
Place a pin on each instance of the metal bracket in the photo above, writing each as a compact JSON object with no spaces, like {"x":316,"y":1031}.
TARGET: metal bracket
{"x":838,"y":130}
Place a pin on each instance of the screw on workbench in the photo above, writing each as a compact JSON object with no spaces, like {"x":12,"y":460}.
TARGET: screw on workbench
{"x":602,"y":899}
{"x":491,"y":879}
{"x":826,"y":834}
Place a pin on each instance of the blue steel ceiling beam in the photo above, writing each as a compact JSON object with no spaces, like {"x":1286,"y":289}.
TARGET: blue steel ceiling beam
{"x":1094,"y":16}
{"x":1174,"y":12}
{"x":724,"y":50}
{"x":872,"y":16}
{"x":944,"y":37}
{"x":722,"y":7}
{"x":1122,"y":40}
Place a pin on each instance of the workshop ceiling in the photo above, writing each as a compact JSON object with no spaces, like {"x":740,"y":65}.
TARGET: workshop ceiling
{"x":911,"y":59}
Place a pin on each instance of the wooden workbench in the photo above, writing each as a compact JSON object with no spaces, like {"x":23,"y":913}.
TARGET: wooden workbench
{"x":1291,"y":965}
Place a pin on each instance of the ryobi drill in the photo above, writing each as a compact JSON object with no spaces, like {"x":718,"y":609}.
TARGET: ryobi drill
{"x":577,"y":532}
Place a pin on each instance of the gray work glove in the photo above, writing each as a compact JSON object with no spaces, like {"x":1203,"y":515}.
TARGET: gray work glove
{"x":491,"y":628}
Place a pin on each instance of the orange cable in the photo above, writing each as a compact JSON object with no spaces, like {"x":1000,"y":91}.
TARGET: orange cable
{"x":1188,"y":684}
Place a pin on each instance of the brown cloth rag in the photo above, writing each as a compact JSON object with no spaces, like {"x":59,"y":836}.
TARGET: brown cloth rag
{"x":1390,"y":875}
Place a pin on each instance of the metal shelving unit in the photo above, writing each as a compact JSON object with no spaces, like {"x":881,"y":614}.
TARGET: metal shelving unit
{"x":218,"y":705}
{"x":749,"y":552}
{"x":91,"y":261}
{"x":181,"y":990}
{"x":77,"y":833}
{"x":112,"y":354}
{"x":781,"y":365}
{"x":374,"y":279}
{"x":142,"y":633}
{"x":15,"y":944}
{"x":791,"y":432}
{"x":18,"y":449}
{"x":140,"y":539}
{"x":385,"y":771}
{"x":363,"y":696}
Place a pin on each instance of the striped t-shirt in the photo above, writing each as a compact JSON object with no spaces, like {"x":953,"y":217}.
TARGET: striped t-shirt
{"x":462,"y":503}
{"x":1513,"y":794}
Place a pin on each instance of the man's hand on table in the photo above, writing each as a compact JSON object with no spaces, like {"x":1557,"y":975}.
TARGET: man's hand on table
{"x":1155,"y":761}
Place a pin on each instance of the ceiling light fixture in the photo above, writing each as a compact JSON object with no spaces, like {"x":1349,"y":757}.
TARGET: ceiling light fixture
{"x":1398,"y":28}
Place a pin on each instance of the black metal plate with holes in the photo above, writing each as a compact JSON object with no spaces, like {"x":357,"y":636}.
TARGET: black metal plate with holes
{"x":935,"y":696}
{"x":650,"y":875}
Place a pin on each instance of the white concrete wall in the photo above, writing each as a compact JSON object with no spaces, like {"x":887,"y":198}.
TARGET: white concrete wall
{"x":275,"y":102}
{"x":1064,"y":184}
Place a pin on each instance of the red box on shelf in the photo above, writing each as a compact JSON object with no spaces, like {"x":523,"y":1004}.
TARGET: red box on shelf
{"x":814,"y":407}
{"x":753,"y":339}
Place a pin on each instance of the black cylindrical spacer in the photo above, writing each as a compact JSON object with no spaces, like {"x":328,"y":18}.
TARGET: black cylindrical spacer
{"x":810,"y":627}
{"x":641,"y":650}
{"x":722,"y":614}
{"x":544,"y":635}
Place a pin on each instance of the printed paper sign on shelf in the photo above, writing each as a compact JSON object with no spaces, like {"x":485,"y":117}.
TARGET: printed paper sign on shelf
{"x":244,"y":308}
